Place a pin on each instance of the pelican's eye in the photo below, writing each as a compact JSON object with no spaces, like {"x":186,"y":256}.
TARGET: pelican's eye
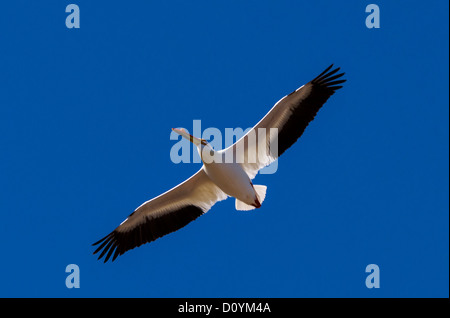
{"x":204,"y":142}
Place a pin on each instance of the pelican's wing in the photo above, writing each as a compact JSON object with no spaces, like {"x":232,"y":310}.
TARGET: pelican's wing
{"x":162,"y":215}
{"x":290,"y":115}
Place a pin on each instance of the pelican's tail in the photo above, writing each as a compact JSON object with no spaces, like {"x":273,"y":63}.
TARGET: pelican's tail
{"x":260,"y":193}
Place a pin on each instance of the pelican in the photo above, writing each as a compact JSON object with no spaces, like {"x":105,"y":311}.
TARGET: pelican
{"x":220,"y":178}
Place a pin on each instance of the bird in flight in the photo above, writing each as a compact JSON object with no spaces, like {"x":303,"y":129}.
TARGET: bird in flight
{"x":225,"y":173}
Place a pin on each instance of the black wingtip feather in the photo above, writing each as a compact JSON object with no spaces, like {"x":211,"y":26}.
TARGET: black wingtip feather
{"x":326,"y":70}
{"x":332,"y":78}
{"x":334,"y":88}
{"x":101,"y":240}
{"x":335,"y":83}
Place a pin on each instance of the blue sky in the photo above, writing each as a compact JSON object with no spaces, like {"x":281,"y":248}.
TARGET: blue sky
{"x":85,"y":118}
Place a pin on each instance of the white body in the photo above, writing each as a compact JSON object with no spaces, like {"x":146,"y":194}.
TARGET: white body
{"x":232,"y":179}
{"x":229,"y":177}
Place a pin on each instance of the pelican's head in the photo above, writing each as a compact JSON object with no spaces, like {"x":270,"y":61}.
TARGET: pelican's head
{"x":196,"y":141}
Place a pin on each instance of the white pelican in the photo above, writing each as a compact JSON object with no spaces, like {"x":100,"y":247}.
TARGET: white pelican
{"x":217,"y":180}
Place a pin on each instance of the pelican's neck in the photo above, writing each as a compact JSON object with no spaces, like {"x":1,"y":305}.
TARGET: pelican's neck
{"x":208,"y":154}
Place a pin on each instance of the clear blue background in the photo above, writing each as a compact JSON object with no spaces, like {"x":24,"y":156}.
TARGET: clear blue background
{"x":85,"y":118}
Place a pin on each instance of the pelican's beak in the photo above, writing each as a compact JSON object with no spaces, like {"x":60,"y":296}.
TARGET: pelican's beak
{"x":196,"y":141}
